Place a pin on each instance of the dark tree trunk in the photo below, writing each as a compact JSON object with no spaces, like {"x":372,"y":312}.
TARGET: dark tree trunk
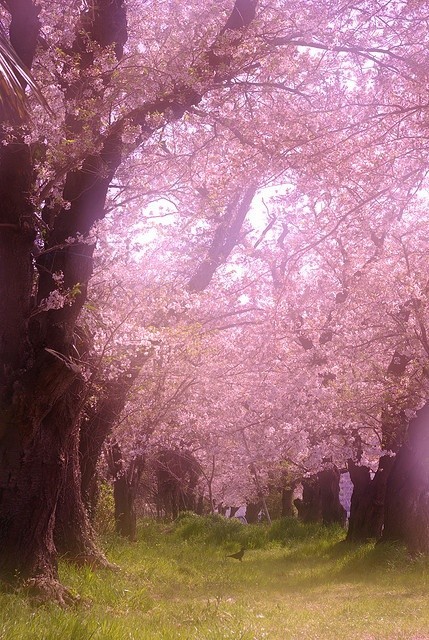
{"x":32,"y":463}
{"x":360,"y":502}
{"x":37,"y":369}
{"x":221,"y":509}
{"x":288,"y":509}
{"x":407,"y":496}
{"x":333,"y":511}
{"x":125,"y":487}
{"x":321,"y":498}
{"x":252,"y":511}
{"x":125,"y":513}
{"x":368,"y":500}
{"x":27,"y":507}
{"x":310,"y":505}
{"x":38,"y":378}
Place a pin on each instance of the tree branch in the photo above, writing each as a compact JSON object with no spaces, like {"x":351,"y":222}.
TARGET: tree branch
{"x":225,"y":238}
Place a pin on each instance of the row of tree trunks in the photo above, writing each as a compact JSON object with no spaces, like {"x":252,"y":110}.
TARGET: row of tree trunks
{"x":177,"y":474}
{"x":393,"y":506}
{"x":370,"y":494}
{"x":320,"y":500}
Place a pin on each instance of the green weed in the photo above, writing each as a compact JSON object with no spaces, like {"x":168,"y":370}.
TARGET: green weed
{"x":176,"y":583}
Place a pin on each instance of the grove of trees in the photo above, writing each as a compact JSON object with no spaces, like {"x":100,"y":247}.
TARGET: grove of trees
{"x":213,"y":263}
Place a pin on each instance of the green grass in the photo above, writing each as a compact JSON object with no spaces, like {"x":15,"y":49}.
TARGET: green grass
{"x":176,"y":583}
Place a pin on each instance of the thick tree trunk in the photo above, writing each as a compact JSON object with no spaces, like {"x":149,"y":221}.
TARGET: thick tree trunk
{"x":368,"y":500}
{"x":17,"y":235}
{"x":407,"y":496}
{"x":73,"y":535}
{"x":33,"y":453}
{"x":36,"y":371}
{"x":27,"y":506}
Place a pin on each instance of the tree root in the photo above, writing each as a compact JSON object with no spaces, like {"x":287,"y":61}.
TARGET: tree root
{"x":43,"y":590}
{"x":94,"y":560}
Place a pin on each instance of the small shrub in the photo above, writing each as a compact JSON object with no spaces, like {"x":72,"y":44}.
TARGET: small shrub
{"x":218,"y":530}
{"x":288,"y":530}
{"x":214,"y":529}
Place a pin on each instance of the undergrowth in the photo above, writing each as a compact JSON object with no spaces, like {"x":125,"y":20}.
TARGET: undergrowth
{"x":176,"y":583}
{"x":218,"y":530}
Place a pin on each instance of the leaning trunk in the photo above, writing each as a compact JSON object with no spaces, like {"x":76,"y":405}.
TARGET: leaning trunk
{"x":98,"y":424}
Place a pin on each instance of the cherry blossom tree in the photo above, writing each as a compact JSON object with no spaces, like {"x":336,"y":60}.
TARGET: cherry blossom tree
{"x":204,"y":107}
{"x":64,"y":173}
{"x":291,"y":353}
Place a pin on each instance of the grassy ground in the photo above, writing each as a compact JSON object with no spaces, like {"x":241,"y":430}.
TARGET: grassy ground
{"x":176,"y":583}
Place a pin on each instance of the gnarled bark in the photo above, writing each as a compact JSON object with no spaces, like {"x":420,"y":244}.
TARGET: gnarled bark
{"x":39,"y":378}
{"x":39,"y":381}
{"x":32,"y":463}
{"x":74,"y":536}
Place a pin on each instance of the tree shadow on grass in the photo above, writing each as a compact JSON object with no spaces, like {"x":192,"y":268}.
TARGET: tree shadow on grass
{"x":359,"y":560}
{"x":309,"y":567}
